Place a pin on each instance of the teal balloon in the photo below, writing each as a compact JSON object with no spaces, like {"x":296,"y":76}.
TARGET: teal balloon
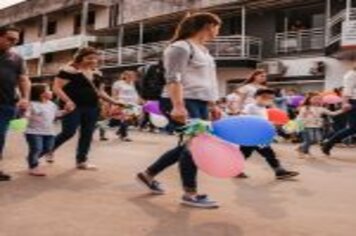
{"x":245,"y":130}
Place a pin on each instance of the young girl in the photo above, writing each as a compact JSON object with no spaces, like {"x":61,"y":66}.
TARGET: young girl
{"x":40,"y":131}
{"x":124,"y":91}
{"x":119,"y":118}
{"x":311,"y":116}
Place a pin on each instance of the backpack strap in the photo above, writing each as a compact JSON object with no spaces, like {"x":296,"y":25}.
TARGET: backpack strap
{"x":192,"y":51}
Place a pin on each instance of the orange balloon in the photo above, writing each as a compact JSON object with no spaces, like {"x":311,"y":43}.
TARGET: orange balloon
{"x":277,"y":116}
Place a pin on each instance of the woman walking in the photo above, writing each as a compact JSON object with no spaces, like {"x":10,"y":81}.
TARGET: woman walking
{"x":248,"y":91}
{"x":191,"y":85}
{"x":79,"y":87}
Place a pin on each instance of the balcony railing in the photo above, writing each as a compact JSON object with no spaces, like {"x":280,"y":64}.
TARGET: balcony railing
{"x":223,"y":48}
{"x":300,"y":41}
{"x":335,"y":25}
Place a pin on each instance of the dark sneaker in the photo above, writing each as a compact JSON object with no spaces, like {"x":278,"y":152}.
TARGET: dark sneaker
{"x":285,"y":174}
{"x":128,"y":140}
{"x":86,"y":166}
{"x":242,"y":176}
{"x":152,"y":185}
{"x":199,"y":201}
{"x":4,"y":177}
{"x":326,"y":148}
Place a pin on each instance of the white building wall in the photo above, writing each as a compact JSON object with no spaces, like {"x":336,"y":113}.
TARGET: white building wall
{"x":334,"y":69}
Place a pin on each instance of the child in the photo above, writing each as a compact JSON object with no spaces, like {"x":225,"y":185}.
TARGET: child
{"x":103,"y":120}
{"x":311,"y":116}
{"x":263,"y":99}
{"x":120,"y":119}
{"x":40,"y":131}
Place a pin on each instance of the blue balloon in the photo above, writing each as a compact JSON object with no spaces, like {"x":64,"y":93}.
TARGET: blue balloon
{"x":245,"y":130}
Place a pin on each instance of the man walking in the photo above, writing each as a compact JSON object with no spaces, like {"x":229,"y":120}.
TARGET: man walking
{"x":13,"y":75}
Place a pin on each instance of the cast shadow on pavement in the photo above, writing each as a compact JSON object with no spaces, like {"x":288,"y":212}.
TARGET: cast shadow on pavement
{"x":177,"y":223}
{"x":25,"y":187}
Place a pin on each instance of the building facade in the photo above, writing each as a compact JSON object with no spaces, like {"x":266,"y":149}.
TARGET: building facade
{"x":300,"y":43}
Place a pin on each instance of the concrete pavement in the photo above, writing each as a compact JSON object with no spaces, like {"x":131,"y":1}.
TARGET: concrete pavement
{"x":322,"y":202}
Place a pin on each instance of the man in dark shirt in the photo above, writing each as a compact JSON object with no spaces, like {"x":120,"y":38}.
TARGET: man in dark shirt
{"x":12,"y":76}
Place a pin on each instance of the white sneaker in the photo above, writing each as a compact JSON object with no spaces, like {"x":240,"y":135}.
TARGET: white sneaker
{"x":86,"y":166}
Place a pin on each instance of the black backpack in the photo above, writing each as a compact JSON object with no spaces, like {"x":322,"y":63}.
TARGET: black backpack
{"x":151,"y":81}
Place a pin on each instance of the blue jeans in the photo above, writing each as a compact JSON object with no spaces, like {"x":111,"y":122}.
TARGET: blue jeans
{"x":310,"y":136}
{"x":7,"y":113}
{"x":85,"y":118}
{"x":346,"y":132}
{"x":188,"y":170}
{"x":38,"y":145}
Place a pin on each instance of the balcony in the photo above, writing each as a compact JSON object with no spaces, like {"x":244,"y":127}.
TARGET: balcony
{"x":35,"y":50}
{"x":302,"y":41}
{"x":335,"y":25}
{"x":224,"y":48}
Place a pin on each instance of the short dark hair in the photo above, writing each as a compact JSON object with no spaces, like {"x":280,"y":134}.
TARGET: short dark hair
{"x":5,"y":29}
{"x":37,"y":90}
{"x":262,"y":92}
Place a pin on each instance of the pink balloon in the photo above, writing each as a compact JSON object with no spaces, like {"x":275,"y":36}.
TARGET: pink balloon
{"x":332,"y":99}
{"x":216,"y":157}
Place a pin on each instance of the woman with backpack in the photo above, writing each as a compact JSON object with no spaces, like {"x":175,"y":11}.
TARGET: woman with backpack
{"x":190,"y":73}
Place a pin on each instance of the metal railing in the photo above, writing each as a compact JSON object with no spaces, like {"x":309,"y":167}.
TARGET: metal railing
{"x":334,"y":29}
{"x":223,"y":48}
{"x":300,"y":41}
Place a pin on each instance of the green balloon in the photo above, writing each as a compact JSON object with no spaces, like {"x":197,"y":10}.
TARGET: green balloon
{"x":18,"y":125}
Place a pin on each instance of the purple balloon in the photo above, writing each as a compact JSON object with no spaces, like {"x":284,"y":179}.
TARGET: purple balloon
{"x":296,"y":100}
{"x":152,"y":107}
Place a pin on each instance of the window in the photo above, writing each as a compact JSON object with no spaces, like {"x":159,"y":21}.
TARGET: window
{"x":48,"y":58}
{"x":51,"y":27}
{"x":78,"y":21}
{"x":22,"y":37}
{"x":91,"y":18}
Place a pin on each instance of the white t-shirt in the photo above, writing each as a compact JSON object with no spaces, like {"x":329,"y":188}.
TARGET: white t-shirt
{"x":312,"y":116}
{"x":248,"y":91}
{"x":254,"y":109}
{"x":126,"y":92}
{"x":41,"y":118}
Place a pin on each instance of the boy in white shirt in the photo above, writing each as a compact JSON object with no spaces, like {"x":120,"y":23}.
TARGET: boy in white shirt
{"x":263,"y":99}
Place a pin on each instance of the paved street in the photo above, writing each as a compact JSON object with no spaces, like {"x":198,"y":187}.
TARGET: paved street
{"x":110,"y":203}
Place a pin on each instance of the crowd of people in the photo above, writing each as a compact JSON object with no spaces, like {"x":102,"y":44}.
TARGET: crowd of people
{"x":84,"y":103}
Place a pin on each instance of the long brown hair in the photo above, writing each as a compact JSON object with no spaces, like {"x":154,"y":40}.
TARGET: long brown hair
{"x":253,"y":76}
{"x":309,"y":97}
{"x":84,"y":52}
{"x":193,"y":23}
